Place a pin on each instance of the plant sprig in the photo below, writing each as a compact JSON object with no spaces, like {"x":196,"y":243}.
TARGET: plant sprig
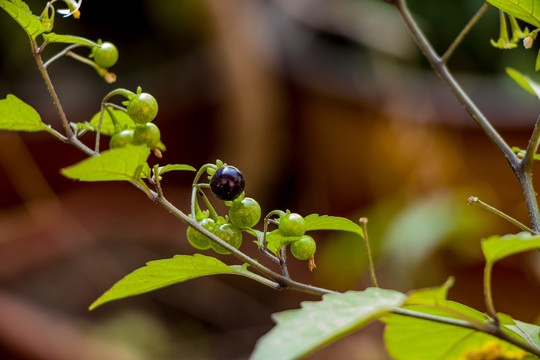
{"x":130,"y":164}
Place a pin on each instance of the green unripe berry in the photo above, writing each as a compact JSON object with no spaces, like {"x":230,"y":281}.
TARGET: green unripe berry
{"x":245,"y":213}
{"x":142,"y":108}
{"x":198,"y":240}
{"x":106,"y":55}
{"x":228,"y":233}
{"x":121,"y":139}
{"x":304,"y":248}
{"x":147,"y":134}
{"x":292,"y":225}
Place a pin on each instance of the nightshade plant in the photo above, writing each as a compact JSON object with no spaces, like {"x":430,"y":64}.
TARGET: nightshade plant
{"x":422,"y":324}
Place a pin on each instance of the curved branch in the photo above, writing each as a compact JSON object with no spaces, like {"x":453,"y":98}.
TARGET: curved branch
{"x":520,"y":168}
{"x":442,"y":70}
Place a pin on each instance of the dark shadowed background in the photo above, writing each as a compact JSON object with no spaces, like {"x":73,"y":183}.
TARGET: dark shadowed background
{"x":326,"y":106}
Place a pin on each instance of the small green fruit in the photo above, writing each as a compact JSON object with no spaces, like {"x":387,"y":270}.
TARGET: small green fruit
{"x":304,"y":248}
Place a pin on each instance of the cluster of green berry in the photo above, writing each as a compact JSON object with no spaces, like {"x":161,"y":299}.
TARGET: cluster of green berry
{"x":292,"y":229}
{"x":227,"y":184}
{"x":142,"y":108}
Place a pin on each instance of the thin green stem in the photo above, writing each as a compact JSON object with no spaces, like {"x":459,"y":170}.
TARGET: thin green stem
{"x":363,"y":221}
{"x":283,"y":261}
{"x":58,"y":55}
{"x":56,"y":134}
{"x":157,"y":181}
{"x":475,"y":200}
{"x":267,"y":220}
{"x":532,"y":148}
{"x":194,"y":189}
{"x":464,"y":32}
{"x":100,"y":123}
{"x":488,"y":295}
{"x":213,"y":213}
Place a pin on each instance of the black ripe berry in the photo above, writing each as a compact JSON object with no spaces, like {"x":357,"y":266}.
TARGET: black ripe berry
{"x":227,"y":183}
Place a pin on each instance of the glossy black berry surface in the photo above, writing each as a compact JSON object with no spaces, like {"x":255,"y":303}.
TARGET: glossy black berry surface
{"x":227,"y":183}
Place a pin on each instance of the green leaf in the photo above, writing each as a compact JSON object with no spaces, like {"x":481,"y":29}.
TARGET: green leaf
{"x":496,"y":247}
{"x":301,"y":332}
{"x":275,"y":241}
{"x":524,"y":81}
{"x":176,"y":167}
{"x":16,"y":115}
{"x":521,"y":153}
{"x":526,"y":10}
{"x":409,"y":338}
{"x":123,"y":121}
{"x":325,"y":222}
{"x":313,"y":222}
{"x":69,"y":39}
{"x":430,"y":296}
{"x":20,"y":12}
{"x":434,"y":301}
{"x":118,"y":164}
{"x":161,"y":273}
{"x":523,"y":331}
{"x":530,"y":333}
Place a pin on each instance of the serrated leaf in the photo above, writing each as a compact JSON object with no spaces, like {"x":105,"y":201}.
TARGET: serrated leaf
{"x":496,"y":247}
{"x":526,"y":10}
{"x":301,"y":332}
{"x":20,"y":12}
{"x":16,"y":115}
{"x":434,"y":301}
{"x":161,"y":273}
{"x":313,"y":222}
{"x":121,"y":164}
{"x":69,"y":39}
{"x":430,"y":296}
{"x":409,"y":338}
{"x":176,"y":167}
{"x":524,"y":81}
{"x":325,"y":222}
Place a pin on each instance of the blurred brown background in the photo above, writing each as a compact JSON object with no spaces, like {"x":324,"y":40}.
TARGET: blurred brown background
{"x":326,"y":107}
